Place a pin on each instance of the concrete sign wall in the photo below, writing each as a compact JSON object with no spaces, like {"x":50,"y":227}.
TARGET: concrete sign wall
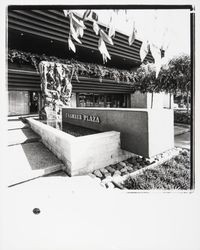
{"x":146,"y":132}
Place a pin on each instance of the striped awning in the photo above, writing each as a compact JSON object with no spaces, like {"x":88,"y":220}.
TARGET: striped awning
{"x":52,"y":24}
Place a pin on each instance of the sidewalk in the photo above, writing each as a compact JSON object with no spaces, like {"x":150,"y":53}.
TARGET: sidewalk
{"x":181,"y":129}
{"x":29,"y":157}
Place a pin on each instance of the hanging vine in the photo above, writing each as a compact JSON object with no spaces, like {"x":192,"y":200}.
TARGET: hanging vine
{"x":174,"y":77}
{"x":80,"y":68}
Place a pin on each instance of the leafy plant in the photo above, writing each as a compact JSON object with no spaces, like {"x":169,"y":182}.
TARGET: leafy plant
{"x":80,"y":68}
{"x":173,"y":78}
{"x":173,"y":174}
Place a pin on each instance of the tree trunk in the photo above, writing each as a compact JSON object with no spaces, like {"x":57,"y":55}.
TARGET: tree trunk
{"x":187,"y":102}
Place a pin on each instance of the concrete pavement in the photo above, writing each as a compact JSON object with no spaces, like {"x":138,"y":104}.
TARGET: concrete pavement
{"x":181,"y":129}
{"x":77,"y":213}
{"x":29,"y":158}
{"x":182,"y":140}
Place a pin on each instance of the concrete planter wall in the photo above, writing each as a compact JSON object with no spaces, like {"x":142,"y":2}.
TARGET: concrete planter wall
{"x":146,"y":132}
{"x":83,"y":154}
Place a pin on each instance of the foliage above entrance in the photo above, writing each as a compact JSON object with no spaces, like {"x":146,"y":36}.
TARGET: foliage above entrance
{"x":79,"y":68}
{"x":174,"y":77}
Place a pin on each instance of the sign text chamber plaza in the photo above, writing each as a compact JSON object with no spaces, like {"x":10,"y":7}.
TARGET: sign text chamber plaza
{"x":88,"y":118}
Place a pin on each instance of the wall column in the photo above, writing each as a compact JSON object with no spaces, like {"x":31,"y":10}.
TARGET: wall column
{"x":147,"y":100}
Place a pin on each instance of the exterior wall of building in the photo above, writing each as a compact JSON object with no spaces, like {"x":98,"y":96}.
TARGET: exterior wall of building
{"x":106,"y":100}
{"x":147,"y":100}
{"x":161,"y":130}
{"x":168,"y":100}
{"x":18,"y":102}
{"x":22,"y":102}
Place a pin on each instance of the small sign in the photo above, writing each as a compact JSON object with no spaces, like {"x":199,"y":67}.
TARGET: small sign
{"x":88,"y":118}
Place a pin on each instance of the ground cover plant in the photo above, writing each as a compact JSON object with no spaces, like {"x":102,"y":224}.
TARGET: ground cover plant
{"x":173,"y":174}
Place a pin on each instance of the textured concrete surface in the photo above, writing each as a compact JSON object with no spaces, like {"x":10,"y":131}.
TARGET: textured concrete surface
{"x":83,"y":215}
{"x":19,"y":136}
{"x":29,"y":161}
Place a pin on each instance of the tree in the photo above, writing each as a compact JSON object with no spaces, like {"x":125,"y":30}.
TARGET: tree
{"x":173,"y":78}
{"x":179,"y":77}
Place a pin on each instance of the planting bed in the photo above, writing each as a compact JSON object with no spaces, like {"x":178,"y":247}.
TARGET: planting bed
{"x":81,"y":154}
{"x":173,"y":174}
{"x":73,"y":130}
{"x":118,"y":175}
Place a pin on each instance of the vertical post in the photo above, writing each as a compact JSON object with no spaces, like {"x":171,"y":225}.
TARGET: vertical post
{"x":152,"y":100}
{"x":170,"y":100}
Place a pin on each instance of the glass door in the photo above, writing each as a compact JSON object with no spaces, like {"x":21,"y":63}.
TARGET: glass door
{"x":34,"y":102}
{"x":18,"y":102}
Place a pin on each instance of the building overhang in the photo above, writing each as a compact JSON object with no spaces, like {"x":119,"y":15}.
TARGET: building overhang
{"x":46,"y":31}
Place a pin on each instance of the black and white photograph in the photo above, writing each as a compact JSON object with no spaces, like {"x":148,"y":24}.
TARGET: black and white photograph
{"x":99,"y":102}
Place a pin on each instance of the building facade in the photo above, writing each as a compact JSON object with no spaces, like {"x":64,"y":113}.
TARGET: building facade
{"x":45,"y":31}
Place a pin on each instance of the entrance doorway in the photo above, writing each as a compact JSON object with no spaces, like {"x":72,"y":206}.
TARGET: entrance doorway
{"x":103,"y":100}
{"x":23,"y":102}
{"x":33,"y":102}
{"x":18,"y":102}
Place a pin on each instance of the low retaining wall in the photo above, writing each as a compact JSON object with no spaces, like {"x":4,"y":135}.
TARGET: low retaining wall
{"x":83,"y":154}
{"x":145,"y":132}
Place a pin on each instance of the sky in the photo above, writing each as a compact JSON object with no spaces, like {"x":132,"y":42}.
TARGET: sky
{"x":170,"y":26}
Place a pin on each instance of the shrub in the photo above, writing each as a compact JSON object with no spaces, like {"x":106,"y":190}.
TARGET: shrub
{"x":173,"y":174}
{"x":182,"y":117}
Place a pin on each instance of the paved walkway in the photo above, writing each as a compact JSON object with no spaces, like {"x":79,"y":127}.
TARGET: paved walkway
{"x":180,"y":129}
{"x":183,"y":140}
{"x":74,"y":213}
{"x":29,"y":157}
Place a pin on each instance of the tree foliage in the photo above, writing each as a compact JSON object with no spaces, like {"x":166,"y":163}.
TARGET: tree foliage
{"x":174,"y":77}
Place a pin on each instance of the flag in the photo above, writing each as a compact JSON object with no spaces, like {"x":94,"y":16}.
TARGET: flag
{"x":132,"y":35}
{"x":144,"y":50}
{"x":95,"y":27}
{"x":156,"y":53}
{"x":105,"y":37}
{"x":71,"y":45}
{"x":103,"y":50}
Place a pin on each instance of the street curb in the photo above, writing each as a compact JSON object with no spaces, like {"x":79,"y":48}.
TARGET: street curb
{"x":182,"y":132}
